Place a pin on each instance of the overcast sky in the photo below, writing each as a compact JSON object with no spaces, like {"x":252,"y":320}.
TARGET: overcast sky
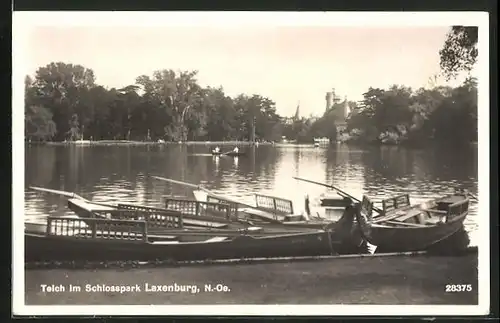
{"x":289,"y":64}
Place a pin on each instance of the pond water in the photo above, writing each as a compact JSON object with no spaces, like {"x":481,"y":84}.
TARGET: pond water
{"x":122,"y":174}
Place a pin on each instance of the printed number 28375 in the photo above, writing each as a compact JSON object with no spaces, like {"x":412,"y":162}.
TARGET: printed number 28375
{"x":454,"y":288}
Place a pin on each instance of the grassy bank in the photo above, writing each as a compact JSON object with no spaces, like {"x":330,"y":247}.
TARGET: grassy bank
{"x":418,"y":279}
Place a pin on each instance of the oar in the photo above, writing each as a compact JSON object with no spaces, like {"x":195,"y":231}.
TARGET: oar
{"x":58,"y":192}
{"x":227,"y":152}
{"x":329,"y":186}
{"x":466,"y":192}
{"x":342,"y":193}
{"x":473,"y":196}
{"x":71,"y":195}
{"x":199,"y":187}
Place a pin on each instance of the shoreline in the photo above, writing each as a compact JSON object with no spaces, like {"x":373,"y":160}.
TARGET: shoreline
{"x":222,"y":143}
{"x":143,"y":143}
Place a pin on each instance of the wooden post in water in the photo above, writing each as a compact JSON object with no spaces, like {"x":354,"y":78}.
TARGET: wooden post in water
{"x":94,"y":229}
{"x":49,"y":226}
{"x":144,"y":231}
{"x":275,"y":210}
{"x":180,"y":220}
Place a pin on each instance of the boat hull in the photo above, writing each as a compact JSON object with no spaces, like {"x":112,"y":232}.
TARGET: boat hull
{"x":401,"y":239}
{"x":40,"y":247}
{"x":391,"y":236}
{"x":231,"y":154}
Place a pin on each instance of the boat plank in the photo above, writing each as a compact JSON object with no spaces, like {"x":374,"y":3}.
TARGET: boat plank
{"x":204,"y":223}
{"x":216,"y":239}
{"x":89,"y":206}
{"x":408,"y":215}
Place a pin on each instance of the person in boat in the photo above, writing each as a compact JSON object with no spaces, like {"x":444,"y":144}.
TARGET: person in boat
{"x":236,"y":150}
{"x":217,"y":150}
{"x":307,"y":206}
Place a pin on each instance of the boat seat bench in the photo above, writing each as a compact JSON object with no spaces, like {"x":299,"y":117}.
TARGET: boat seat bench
{"x":406,"y":224}
{"x":410,"y":214}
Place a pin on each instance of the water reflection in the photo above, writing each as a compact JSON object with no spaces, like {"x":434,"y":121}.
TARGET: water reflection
{"x":122,"y":173}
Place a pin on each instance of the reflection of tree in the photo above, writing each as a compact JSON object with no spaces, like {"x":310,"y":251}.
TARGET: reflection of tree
{"x":266,"y":167}
{"x":75,"y":161}
{"x":40,"y":173}
{"x":331,"y":165}
{"x":253,"y":152}
{"x":394,"y":170}
{"x":451,"y":164}
{"x":296,"y":161}
{"x":344,"y":168}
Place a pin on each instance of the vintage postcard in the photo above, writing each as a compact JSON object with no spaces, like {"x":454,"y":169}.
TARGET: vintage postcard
{"x":251,"y":163}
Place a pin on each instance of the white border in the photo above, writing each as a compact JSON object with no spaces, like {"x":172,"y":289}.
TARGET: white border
{"x":22,"y":20}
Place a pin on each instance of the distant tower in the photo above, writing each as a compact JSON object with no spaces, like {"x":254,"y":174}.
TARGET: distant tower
{"x":347,"y":109}
{"x":297,"y":112}
{"x":329,"y":100}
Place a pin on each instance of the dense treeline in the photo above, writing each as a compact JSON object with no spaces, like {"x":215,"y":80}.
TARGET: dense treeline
{"x":63,"y":102}
{"x":439,"y":114}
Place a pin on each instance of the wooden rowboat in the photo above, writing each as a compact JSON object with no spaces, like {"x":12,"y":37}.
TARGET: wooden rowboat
{"x":71,"y":239}
{"x":402,"y":227}
{"x":230,"y":153}
{"x":175,"y":221}
{"x":266,"y":209}
{"x":343,"y":235}
{"x":406,"y":227}
{"x":171,"y":224}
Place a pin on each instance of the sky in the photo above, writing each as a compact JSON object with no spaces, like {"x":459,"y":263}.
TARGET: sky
{"x":289,"y":64}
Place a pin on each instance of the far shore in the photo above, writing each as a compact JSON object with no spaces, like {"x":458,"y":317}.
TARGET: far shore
{"x":86,"y":143}
{"x":132,"y":143}
{"x":155,"y":143}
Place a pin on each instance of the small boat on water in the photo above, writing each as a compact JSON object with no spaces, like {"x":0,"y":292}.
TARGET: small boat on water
{"x":229,"y":153}
{"x":406,"y":227}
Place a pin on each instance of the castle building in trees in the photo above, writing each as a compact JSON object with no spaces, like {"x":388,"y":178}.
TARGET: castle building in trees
{"x":340,"y":110}
{"x":341,"y":114}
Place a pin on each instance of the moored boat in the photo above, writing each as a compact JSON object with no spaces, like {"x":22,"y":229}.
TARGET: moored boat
{"x":273,"y":210}
{"x":157,"y":218}
{"x":400,"y":226}
{"x":405,"y":227}
{"x":97,"y":239}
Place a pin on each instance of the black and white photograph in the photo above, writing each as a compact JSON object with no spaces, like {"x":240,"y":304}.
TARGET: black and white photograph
{"x":251,"y":163}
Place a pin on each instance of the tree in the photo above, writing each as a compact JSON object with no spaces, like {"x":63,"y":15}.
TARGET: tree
{"x":61,"y":88}
{"x":178,"y":94}
{"x":459,"y":52}
{"x":221,"y":115}
{"x":38,"y":124}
